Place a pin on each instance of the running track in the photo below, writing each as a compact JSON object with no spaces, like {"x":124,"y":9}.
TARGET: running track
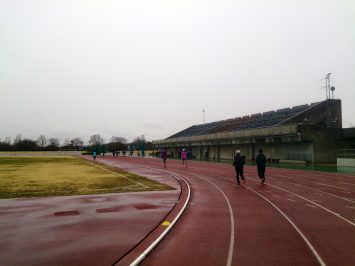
{"x":297,"y":218}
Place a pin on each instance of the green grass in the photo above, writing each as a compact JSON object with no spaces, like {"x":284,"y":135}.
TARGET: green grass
{"x":59,"y":176}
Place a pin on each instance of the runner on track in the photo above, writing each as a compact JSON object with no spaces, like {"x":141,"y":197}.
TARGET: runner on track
{"x":238,"y":164}
{"x":184,"y":157}
{"x":163,"y":156}
{"x":261,"y":164}
{"x":94,"y":155}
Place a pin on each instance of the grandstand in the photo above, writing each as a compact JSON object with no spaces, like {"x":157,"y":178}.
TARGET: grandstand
{"x":267,"y":119}
{"x":307,"y":133}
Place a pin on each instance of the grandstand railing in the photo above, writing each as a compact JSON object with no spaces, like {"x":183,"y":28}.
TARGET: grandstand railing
{"x":346,"y":153}
{"x":248,"y":133}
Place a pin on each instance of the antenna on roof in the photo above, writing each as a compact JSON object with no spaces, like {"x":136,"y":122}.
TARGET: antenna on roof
{"x":327,"y":85}
{"x":328,"y":88}
{"x":203,"y":111}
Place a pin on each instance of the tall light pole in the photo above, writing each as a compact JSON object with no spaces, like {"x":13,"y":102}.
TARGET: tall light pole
{"x":203,"y":111}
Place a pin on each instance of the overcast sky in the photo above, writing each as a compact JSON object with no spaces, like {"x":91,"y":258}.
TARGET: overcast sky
{"x":126,"y":68}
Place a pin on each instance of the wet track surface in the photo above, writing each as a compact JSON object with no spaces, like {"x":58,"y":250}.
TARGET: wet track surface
{"x":296,"y":218}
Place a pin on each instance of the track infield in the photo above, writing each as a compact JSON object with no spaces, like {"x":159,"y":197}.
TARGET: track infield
{"x":64,"y":176}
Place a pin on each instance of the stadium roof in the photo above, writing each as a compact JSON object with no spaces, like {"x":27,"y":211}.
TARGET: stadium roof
{"x":260,"y":120}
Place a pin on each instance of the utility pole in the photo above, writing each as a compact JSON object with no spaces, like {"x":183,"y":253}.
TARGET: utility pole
{"x":203,"y":111}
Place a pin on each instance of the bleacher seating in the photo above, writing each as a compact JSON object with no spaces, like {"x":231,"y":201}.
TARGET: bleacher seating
{"x":266,"y":119}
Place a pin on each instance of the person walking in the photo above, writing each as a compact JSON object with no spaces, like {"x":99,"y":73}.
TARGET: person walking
{"x":238,"y":164}
{"x":163,"y":156}
{"x":184,"y":157}
{"x":94,"y":155}
{"x":261,"y":165}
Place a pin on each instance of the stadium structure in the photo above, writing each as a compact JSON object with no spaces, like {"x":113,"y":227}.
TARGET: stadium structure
{"x":308,"y":133}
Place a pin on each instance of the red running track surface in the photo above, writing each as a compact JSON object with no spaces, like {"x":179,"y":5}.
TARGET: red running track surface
{"x":296,"y":218}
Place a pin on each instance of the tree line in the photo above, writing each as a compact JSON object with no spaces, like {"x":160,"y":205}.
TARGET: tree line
{"x":96,"y":142}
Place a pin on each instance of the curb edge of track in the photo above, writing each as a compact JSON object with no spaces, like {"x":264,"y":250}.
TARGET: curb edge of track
{"x":137,"y":254}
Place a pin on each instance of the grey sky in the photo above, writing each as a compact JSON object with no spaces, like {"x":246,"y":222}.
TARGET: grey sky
{"x":126,"y":68}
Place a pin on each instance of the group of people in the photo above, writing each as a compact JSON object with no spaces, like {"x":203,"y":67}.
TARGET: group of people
{"x":239,"y":161}
{"x":164,"y":155}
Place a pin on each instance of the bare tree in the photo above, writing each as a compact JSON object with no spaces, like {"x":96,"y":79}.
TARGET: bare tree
{"x":7,"y":140}
{"x":54,"y":142}
{"x":66,"y":142}
{"x":17,"y":139}
{"x":96,"y":142}
{"x":96,"y":139}
{"x":117,"y":143}
{"x":139,"y":143}
{"x":122,"y":140}
{"x":77,"y":142}
{"x":41,"y":141}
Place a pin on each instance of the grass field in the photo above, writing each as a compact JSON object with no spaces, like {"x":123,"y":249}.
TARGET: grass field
{"x":59,"y":176}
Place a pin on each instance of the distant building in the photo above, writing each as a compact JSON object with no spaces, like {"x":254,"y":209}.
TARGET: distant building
{"x":311,"y":133}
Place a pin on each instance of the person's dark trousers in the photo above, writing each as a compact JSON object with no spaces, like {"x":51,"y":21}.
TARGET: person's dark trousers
{"x":239,"y":172}
{"x":261,"y":172}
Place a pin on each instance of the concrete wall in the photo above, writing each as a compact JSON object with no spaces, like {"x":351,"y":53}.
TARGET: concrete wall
{"x":325,"y":142}
{"x":226,"y":152}
{"x":345,"y":162}
{"x":299,"y":151}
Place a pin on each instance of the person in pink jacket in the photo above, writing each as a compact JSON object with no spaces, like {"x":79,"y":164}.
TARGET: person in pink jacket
{"x":184,"y":157}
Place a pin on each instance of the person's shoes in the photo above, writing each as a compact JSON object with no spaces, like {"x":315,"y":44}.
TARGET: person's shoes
{"x":263,"y":180}
{"x":244,"y":181}
{"x":238,"y":183}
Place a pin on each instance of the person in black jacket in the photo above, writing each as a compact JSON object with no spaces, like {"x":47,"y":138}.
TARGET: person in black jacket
{"x":238,"y":164}
{"x":261,"y":164}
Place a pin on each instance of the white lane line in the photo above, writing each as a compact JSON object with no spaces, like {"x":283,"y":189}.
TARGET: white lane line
{"x":231,"y":243}
{"x":322,"y":192}
{"x":347,"y":183}
{"x":139,"y":259}
{"x":310,"y":205}
{"x":315,"y":200}
{"x":275,"y":195}
{"x":315,"y":182}
{"x":350,"y":207}
{"x":314,"y":203}
{"x":336,"y":214}
{"x":291,"y":200}
{"x":345,"y":191}
{"x":315,"y":253}
{"x":322,"y":184}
